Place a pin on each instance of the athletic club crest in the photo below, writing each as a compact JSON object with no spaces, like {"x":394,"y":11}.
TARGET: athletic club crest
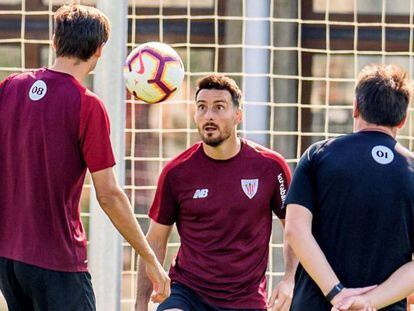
{"x":250,"y":187}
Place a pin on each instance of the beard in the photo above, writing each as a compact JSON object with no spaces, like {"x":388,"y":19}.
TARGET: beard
{"x":214,"y":141}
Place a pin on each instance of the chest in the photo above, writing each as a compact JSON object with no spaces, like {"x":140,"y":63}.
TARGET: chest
{"x":224,"y":195}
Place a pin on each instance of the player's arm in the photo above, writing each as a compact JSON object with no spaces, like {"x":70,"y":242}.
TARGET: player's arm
{"x":281,"y":297}
{"x":157,"y":238}
{"x":397,"y":287}
{"x":298,"y":233}
{"x":290,"y":259}
{"x":298,"y":229}
{"x":116,"y":205}
{"x":282,"y":294}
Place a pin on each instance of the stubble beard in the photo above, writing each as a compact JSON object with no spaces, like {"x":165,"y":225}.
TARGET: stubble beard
{"x":214,"y":141}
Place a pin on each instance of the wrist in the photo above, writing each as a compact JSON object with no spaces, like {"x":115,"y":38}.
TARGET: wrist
{"x":288,"y":276}
{"x":150,"y":258}
{"x":334,"y":291}
{"x":370,"y":301}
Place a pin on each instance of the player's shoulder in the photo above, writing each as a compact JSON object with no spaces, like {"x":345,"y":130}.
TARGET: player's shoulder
{"x":405,"y":153}
{"x":320,"y":147}
{"x":17,"y":77}
{"x":90,"y":98}
{"x":6,"y":81}
{"x":181,"y":159}
{"x":69,"y":84}
{"x":17,"y":82}
{"x":264,"y":153}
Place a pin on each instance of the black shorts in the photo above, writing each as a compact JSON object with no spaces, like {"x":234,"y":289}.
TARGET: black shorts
{"x":186,"y":299}
{"x":29,"y":288}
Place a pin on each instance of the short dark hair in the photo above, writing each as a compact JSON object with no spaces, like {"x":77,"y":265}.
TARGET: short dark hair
{"x":79,"y":31}
{"x":383,"y":93}
{"x":220,"y":82}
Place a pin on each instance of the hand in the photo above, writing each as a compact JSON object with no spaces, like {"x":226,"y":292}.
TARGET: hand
{"x":358,"y":303}
{"x":282,"y":295}
{"x":160,"y":282}
{"x":349,"y":292}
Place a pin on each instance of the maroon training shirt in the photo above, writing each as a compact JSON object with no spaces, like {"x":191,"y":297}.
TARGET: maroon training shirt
{"x":51,"y":129}
{"x":223,"y":210}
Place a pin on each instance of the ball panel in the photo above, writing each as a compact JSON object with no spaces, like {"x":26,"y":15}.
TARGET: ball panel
{"x":153,"y":72}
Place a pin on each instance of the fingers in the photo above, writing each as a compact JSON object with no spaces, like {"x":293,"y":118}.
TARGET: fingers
{"x":272,"y":299}
{"x":281,"y":303}
{"x":277,"y":305}
{"x":286,"y":305}
{"x":163,"y":292}
{"x":346,"y":304}
{"x":160,"y":282}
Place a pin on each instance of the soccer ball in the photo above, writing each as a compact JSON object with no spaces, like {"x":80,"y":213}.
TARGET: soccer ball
{"x":153,"y":72}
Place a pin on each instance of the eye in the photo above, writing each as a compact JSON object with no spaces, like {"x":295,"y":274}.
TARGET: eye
{"x":201,"y":107}
{"x":220,"y":107}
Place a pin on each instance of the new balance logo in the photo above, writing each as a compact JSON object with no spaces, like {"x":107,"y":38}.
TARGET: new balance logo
{"x":200,"y":193}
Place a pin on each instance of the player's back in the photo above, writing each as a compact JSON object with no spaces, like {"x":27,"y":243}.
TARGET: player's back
{"x":42,"y":169}
{"x":364,"y":209}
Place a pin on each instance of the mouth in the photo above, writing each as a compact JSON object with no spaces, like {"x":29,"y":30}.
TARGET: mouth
{"x":209,"y":128}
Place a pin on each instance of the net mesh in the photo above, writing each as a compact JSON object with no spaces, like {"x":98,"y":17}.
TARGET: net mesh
{"x":313,"y":49}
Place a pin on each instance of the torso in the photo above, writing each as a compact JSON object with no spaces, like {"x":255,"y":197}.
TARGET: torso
{"x":224,"y":221}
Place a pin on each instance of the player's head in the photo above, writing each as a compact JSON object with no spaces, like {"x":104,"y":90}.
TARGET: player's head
{"x":218,"y":112}
{"x":80,"y":32}
{"x":382,"y":95}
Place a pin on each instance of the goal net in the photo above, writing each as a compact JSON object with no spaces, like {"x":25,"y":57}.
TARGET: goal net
{"x":296,"y":62}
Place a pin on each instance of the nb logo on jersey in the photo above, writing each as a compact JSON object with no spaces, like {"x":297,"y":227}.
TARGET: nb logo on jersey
{"x":200,"y":193}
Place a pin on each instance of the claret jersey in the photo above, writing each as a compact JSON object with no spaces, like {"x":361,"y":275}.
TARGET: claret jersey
{"x":223,"y":211}
{"x":51,"y":130}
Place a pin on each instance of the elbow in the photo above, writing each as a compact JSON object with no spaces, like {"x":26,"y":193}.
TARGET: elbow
{"x":293,"y":232}
{"x":109,"y":197}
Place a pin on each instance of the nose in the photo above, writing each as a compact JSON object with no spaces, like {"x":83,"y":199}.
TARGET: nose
{"x":209,"y":114}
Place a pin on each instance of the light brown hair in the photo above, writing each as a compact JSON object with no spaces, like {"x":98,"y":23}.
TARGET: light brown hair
{"x":79,"y":31}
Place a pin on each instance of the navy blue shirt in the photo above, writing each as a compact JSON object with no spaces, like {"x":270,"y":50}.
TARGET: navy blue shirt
{"x":360,"y":191}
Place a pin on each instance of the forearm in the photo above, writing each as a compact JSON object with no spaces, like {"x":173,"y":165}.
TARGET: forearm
{"x":291,"y":261}
{"x":119,"y":211}
{"x":144,"y":285}
{"x":398,"y":286}
{"x":312,"y":258}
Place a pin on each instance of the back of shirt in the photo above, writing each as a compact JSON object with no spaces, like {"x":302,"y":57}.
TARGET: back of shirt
{"x":51,"y":130}
{"x":359,"y":189}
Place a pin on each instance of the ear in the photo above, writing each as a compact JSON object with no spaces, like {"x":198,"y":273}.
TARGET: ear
{"x":98,"y":52}
{"x":239,"y":115}
{"x":355,"y":112}
{"x":402,"y":122}
{"x":53,"y":43}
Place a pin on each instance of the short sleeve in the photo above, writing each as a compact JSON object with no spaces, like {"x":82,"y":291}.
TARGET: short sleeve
{"x":283,"y":180}
{"x":95,"y":135}
{"x":4,"y":83}
{"x":164,"y":208}
{"x":301,"y":188}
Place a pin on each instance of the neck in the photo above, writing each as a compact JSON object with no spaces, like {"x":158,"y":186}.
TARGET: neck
{"x":362,"y":125}
{"x":226,"y":150}
{"x":75,"y":67}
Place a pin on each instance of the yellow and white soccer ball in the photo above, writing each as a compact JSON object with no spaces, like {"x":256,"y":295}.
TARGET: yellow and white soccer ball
{"x":153,"y":72}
